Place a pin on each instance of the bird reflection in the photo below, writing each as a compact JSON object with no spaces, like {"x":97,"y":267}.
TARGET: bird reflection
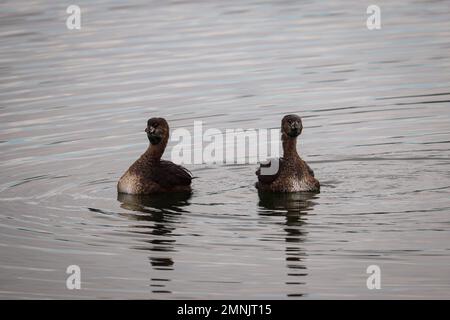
{"x":164,"y":212}
{"x":293,"y":206}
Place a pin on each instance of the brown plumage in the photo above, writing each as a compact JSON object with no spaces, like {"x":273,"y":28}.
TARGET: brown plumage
{"x":149,"y":174}
{"x":294,"y":174}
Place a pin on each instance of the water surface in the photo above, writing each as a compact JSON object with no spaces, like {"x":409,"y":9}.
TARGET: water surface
{"x":375,"y":108}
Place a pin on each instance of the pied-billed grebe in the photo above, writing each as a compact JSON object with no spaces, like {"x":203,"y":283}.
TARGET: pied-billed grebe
{"x":294,"y":174}
{"x":149,"y":174}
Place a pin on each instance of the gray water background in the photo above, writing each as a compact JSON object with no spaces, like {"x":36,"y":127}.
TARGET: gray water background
{"x":375,"y":108}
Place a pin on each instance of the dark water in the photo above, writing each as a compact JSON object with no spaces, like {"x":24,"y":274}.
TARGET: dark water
{"x":375,"y":108}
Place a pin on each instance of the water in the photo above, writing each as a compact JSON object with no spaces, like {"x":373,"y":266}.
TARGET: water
{"x":375,"y":109}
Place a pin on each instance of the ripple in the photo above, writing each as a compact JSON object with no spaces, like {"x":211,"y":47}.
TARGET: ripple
{"x":376,"y":132}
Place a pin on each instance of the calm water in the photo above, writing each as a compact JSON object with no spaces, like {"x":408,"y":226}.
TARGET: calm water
{"x":375,"y":107}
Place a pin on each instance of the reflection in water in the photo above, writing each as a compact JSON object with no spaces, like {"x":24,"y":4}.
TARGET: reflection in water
{"x":293,"y":206}
{"x":163,"y":211}
{"x":379,"y":137}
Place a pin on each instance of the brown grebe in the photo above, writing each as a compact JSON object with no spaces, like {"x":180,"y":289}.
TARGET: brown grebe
{"x":294,"y":174}
{"x":149,"y":174}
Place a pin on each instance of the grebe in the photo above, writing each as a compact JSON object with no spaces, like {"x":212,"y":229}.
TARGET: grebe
{"x":149,"y":174}
{"x":294,"y":174}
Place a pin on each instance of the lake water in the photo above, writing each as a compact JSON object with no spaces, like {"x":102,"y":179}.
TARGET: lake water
{"x":375,"y":108}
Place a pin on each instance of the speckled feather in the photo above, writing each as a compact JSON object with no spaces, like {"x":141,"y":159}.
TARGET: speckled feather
{"x":149,"y":174}
{"x":294,"y":174}
{"x":146,"y":177}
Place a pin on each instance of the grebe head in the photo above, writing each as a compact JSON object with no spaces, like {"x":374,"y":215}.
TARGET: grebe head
{"x":157,"y":130}
{"x":291,"y":125}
